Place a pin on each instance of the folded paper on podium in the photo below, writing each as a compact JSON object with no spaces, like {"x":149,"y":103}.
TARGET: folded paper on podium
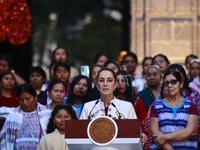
{"x":103,"y":133}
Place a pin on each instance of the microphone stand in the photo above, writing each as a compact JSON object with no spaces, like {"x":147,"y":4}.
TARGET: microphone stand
{"x":92,"y":109}
{"x":117,"y":110}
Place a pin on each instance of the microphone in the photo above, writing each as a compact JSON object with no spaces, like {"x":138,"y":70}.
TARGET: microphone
{"x":92,"y":109}
{"x":117,"y":110}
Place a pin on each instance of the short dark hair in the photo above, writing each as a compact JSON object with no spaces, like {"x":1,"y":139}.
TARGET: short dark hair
{"x":61,"y":64}
{"x":37,"y":69}
{"x":26,"y":88}
{"x":130,"y":54}
{"x":51,"y":126}
{"x":176,"y":74}
{"x":54,"y":82}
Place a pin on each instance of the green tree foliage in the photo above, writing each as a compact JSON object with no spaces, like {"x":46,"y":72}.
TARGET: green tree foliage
{"x":82,"y":26}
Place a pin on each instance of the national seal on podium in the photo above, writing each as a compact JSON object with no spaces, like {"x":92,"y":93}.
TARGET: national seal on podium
{"x":102,"y":130}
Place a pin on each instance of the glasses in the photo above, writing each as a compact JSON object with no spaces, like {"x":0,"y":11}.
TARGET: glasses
{"x":172,"y":82}
{"x":158,"y":62}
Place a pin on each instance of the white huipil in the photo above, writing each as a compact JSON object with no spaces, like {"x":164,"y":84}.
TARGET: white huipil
{"x":120,"y":110}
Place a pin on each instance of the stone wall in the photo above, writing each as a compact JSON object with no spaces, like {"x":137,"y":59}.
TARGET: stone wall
{"x":171,"y":27}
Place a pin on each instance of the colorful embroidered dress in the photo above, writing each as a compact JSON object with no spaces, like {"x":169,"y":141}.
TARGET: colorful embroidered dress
{"x":172,"y":119}
{"x":148,"y":98}
{"x":17,"y":130}
{"x":194,"y":97}
{"x":30,"y":133}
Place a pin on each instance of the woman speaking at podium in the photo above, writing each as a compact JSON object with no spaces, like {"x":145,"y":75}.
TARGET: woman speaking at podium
{"x":108,"y":105}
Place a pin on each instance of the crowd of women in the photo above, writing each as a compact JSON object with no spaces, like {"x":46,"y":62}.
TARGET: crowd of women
{"x":165,"y":97}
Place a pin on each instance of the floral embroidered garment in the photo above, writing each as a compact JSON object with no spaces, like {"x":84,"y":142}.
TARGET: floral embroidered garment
{"x":14,"y":130}
{"x":120,"y":110}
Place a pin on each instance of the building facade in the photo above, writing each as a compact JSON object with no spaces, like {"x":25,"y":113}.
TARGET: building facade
{"x":170,"y":27}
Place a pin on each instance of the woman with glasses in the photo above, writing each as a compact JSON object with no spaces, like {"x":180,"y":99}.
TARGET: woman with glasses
{"x":174,"y":119}
{"x":162,"y":61}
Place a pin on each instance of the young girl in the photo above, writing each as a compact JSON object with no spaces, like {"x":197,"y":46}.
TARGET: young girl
{"x":55,"y":138}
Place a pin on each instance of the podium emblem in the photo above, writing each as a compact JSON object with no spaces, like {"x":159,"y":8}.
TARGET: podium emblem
{"x":102,"y":130}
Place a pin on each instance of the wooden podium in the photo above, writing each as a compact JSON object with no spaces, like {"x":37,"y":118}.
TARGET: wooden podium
{"x":128,"y":137}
